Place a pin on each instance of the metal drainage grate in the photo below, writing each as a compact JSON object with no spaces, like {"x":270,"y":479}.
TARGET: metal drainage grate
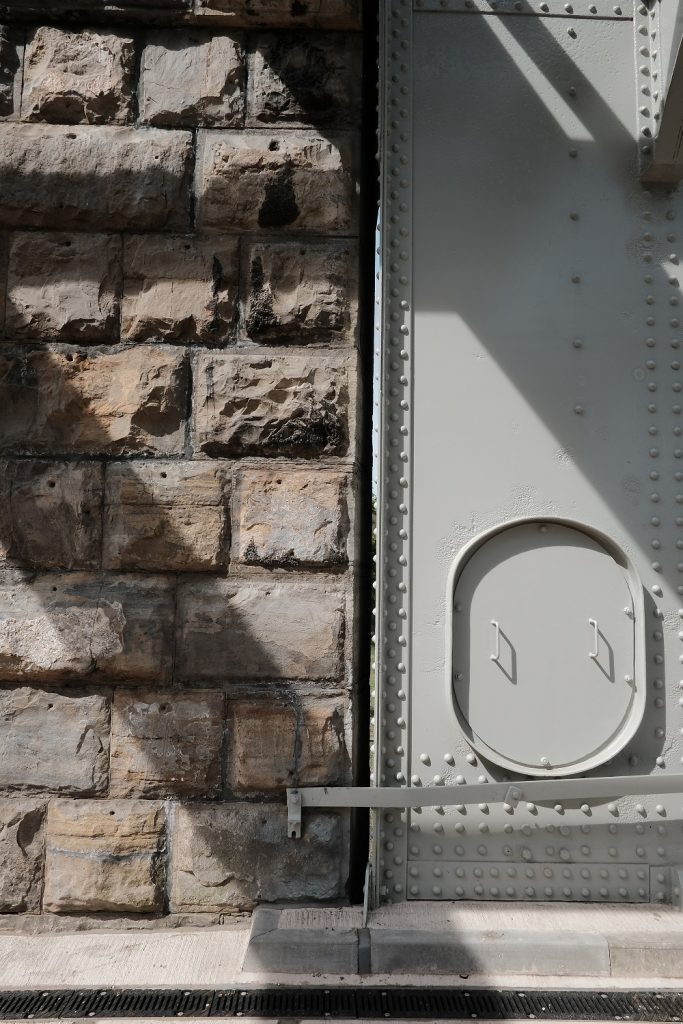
{"x":346,"y":1003}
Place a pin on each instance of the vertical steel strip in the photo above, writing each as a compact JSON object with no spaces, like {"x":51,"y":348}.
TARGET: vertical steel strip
{"x":392,"y":687}
{"x":648,"y":78}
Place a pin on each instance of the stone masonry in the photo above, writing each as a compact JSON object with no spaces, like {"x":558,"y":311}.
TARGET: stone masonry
{"x":179,"y":450}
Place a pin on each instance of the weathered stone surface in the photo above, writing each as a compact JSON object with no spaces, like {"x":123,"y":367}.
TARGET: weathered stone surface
{"x":264,"y":180}
{"x":54,"y":742}
{"x":270,"y":403}
{"x":104,"y":855}
{"x":21,"y":855}
{"x":64,"y":287}
{"x":231,"y":856}
{"x":285,"y":739}
{"x":305,"y":80}
{"x":106,"y":178}
{"x":166,"y":743}
{"x":259,"y":629}
{"x":192,"y":80}
{"x":78,"y":77}
{"x":167,"y":516}
{"x":331,"y":14}
{"x":50,"y":514}
{"x":179,"y":288}
{"x":146,"y":11}
{"x":66,"y":626}
{"x":291,"y":518}
{"x":11,"y":51}
{"x":301,"y":292}
{"x":122,"y":402}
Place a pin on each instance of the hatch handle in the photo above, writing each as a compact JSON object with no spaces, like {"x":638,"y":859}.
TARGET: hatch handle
{"x":496,"y":655}
{"x":596,"y":639}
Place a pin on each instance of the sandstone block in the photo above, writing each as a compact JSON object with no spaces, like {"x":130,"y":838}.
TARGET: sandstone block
{"x":121,"y":402}
{"x":54,"y":742}
{"x":50,"y":514}
{"x":11,"y":53}
{"x":71,"y":625}
{"x":289,"y":739}
{"x":291,"y":518}
{"x":75,"y":77}
{"x":328,"y":14}
{"x":64,"y":287}
{"x":104,"y":855}
{"x":271,"y":403}
{"x":103,"y":178}
{"x":166,"y":743}
{"x":192,"y":80}
{"x":301,"y":292}
{"x":167,"y":515}
{"x":264,"y":180}
{"x":305,"y":80}
{"x":179,"y":288}
{"x":260,"y":629}
{"x":21,"y":855}
{"x":231,"y":856}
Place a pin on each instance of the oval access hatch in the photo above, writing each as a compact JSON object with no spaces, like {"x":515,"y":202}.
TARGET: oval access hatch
{"x":544,"y":651}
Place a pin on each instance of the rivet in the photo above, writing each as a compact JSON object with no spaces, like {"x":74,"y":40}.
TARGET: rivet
{"x":578,"y":409}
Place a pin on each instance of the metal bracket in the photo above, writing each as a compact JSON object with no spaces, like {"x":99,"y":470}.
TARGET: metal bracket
{"x":498,"y":792}
{"x":293,"y":814}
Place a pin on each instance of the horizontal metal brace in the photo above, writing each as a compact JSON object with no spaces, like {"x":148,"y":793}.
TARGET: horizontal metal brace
{"x":507,"y":793}
{"x":610,"y":10}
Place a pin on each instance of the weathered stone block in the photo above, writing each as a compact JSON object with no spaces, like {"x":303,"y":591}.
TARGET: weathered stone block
{"x":179,"y":288}
{"x":21,"y":855}
{"x":50,"y":514}
{"x":167,"y":515}
{"x":264,"y":180}
{"x":65,"y":402}
{"x":270,"y":403}
{"x":232,"y":856}
{"x":104,"y":855}
{"x":192,"y":80}
{"x":66,"y":626}
{"x":328,"y":14}
{"x":291,"y":518}
{"x":64,"y":287}
{"x":301,"y":292}
{"x":11,"y":54}
{"x":73,"y":77}
{"x":260,"y":629}
{"x":53,"y":742}
{"x":306,"y":80}
{"x":288,"y":739}
{"x":106,"y":178}
{"x":166,"y":743}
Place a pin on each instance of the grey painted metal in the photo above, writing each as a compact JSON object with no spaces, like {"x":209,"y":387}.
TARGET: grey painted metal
{"x":661,"y":33}
{"x":530,"y":372}
{"x":542,"y":8}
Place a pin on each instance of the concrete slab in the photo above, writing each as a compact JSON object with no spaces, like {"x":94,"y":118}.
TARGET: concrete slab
{"x":406,"y":951}
{"x":280,"y":950}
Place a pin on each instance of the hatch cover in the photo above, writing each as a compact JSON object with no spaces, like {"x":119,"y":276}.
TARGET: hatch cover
{"x":544,"y":650}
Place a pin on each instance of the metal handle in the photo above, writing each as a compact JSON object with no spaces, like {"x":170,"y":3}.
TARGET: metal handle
{"x":496,"y":626}
{"x":596,"y":638}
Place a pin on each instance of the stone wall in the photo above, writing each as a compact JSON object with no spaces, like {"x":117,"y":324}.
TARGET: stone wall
{"x":179,"y":434}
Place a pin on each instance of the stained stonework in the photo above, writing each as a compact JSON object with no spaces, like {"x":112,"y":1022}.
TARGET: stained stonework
{"x":73,"y":77}
{"x":180,"y":345}
{"x":177,"y":288}
{"x":21,"y":854}
{"x":272,"y":403}
{"x":104,"y":855}
{"x":166,"y":743}
{"x":295,"y":738}
{"x":193,"y":79}
{"x":64,"y":287}
{"x":231,"y":856}
{"x":287,"y":519}
{"x":167,"y":515}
